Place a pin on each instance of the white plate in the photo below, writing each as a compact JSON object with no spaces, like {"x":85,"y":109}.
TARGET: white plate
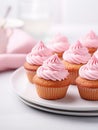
{"x":63,"y":112}
{"x":72,"y":101}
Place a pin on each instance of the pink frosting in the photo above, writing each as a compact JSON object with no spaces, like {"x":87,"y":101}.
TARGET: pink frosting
{"x":52,"y":69}
{"x":90,"y":40}
{"x":59,"y":44}
{"x":38,"y":54}
{"x":77,"y":54}
{"x":90,"y":70}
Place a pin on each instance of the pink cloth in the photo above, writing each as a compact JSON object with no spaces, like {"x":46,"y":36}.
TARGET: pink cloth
{"x":11,"y":61}
{"x":17,"y":46}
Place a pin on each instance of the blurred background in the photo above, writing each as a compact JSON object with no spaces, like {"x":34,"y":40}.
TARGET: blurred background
{"x":44,"y":18}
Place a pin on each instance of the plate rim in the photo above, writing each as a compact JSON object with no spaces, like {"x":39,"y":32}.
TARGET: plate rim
{"x":43,"y":105}
{"x":61,"y":112}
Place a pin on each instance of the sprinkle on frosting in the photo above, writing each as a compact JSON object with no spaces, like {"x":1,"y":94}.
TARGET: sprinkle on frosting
{"x":90,"y":40}
{"x":59,"y":44}
{"x":90,"y":70}
{"x":52,"y":69}
{"x":77,"y":54}
{"x":38,"y":54}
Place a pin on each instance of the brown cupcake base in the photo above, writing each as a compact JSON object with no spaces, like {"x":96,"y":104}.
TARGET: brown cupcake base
{"x":30,"y":67}
{"x":59,"y":54}
{"x":92,"y":50}
{"x":30,"y":70}
{"x":73,"y":75}
{"x":88,"y":89}
{"x":49,"y":89}
{"x":30,"y":75}
{"x":73,"y":70}
{"x":51,"y":93}
{"x":88,"y":93}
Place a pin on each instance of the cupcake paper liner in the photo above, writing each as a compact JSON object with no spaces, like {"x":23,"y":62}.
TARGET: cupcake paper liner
{"x":88,"y":93}
{"x":51,"y":93}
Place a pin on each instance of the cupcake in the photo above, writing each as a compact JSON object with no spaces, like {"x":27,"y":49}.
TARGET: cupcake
{"x":35,"y":58}
{"x":51,"y":79}
{"x":59,"y":44}
{"x":74,"y":58}
{"x":87,"y":82}
{"x":90,"y":41}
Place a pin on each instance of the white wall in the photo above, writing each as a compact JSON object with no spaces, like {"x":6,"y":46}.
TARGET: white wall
{"x":80,"y":11}
{"x":59,"y":11}
{"x":5,"y":3}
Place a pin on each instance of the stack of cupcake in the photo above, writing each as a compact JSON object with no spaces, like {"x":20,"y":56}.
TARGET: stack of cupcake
{"x":53,"y":68}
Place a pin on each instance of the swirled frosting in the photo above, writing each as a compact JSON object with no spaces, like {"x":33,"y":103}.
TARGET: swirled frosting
{"x":90,"y":40}
{"x":90,"y":70}
{"x":52,"y":69}
{"x":77,"y":54}
{"x":38,"y":54}
{"x":59,"y":44}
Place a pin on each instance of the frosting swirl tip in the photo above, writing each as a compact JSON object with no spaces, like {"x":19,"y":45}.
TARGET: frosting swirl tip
{"x":52,"y":69}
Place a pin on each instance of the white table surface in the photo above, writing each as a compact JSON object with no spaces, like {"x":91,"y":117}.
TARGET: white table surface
{"x":15,"y":115}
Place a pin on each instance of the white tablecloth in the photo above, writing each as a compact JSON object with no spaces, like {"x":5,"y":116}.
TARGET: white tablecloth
{"x":15,"y":115}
